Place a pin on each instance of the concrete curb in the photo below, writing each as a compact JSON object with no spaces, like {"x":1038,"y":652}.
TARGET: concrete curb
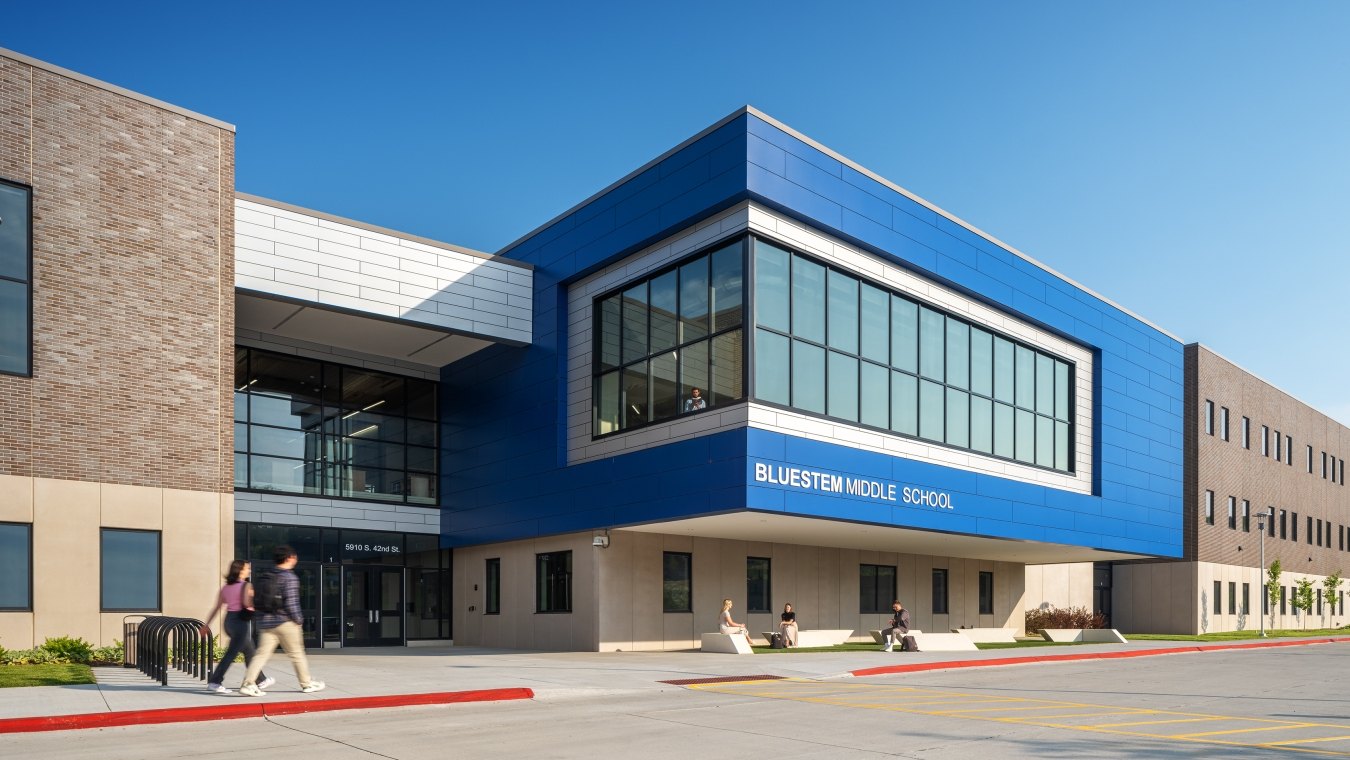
{"x":252,"y":709}
{"x":954,"y":664}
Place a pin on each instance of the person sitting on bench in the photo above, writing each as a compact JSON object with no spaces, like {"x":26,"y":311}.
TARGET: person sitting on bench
{"x":728,"y":626}
{"x":899,"y":625}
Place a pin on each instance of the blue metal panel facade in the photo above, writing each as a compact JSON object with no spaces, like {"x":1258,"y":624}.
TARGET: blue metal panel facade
{"x":504,"y":475}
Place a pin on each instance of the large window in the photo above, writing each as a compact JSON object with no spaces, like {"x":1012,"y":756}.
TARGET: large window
{"x":553,"y":582}
{"x":832,"y":344}
{"x":130,"y":570}
{"x":757,"y":590}
{"x":671,"y":343}
{"x":876,"y":588}
{"x":16,"y":566}
{"x":676,"y":582}
{"x":939,"y":591}
{"x":309,"y":427}
{"x":16,"y":279}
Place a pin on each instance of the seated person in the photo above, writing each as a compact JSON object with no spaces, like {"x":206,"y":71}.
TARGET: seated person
{"x":899,"y":625}
{"x":726,"y":625}
{"x":695,"y":402}
{"x":789,"y":625}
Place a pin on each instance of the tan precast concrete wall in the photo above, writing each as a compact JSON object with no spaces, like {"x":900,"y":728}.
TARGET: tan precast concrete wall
{"x":1061,"y":586}
{"x":624,"y":582}
{"x":196,"y":540}
{"x":126,"y":420}
{"x":518,"y":626}
{"x":1154,"y":597}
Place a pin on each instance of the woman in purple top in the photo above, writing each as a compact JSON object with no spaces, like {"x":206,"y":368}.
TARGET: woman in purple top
{"x":237,"y":596}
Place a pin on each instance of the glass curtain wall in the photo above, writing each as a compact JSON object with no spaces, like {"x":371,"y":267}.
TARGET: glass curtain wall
{"x":830,"y":343}
{"x":671,"y":343}
{"x":309,"y":427}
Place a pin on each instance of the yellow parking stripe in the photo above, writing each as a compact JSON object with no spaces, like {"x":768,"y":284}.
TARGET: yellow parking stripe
{"x":1306,"y":741}
{"x":1242,"y":731}
{"x":951,"y":704}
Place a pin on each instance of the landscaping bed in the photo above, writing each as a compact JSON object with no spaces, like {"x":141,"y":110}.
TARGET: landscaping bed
{"x":59,"y":674}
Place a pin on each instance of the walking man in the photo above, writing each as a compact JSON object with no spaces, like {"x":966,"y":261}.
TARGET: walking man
{"x":277,"y":600}
{"x":899,"y":625}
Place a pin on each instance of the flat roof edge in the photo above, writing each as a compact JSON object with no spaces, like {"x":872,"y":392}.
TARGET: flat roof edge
{"x":951,"y":217}
{"x":381,"y":230}
{"x":1218,"y":355}
{"x":100,"y":84}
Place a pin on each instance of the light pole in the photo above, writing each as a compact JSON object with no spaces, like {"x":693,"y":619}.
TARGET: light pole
{"x":1261,"y":518}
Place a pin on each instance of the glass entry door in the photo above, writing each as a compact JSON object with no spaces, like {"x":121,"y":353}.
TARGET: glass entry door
{"x":372,"y":609}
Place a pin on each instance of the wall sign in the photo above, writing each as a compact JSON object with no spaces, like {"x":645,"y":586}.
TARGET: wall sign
{"x":830,"y":483}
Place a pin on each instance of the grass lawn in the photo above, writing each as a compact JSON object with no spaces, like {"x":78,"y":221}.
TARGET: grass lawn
{"x":44,"y":675}
{"x":1236,"y":635}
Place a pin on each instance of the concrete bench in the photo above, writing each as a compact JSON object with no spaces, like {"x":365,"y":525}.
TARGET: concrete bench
{"x":816,"y":638}
{"x":1093,"y":635}
{"x":989,"y":635}
{"x":726,"y":643}
{"x":944,"y":642}
{"x":879,"y":639}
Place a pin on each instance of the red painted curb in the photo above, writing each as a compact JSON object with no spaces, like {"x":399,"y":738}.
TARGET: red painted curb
{"x":952,"y":665}
{"x":256,"y":709}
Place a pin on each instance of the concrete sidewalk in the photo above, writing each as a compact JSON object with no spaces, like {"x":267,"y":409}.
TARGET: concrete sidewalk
{"x":549,"y":675}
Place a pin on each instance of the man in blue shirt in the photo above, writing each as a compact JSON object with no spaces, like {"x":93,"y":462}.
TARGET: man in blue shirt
{"x":280,"y":621}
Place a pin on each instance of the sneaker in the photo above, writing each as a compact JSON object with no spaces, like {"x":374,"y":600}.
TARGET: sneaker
{"x":313,"y":686}
{"x":267,"y":682}
{"x":218,"y":688}
{"x":887,"y":648}
{"x":251,"y":690}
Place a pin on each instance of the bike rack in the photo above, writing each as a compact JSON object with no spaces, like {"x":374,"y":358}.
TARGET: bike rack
{"x":153,"y":644}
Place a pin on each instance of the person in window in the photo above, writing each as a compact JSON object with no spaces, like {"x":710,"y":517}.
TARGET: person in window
{"x":695,"y":402}
{"x":726,"y":625}
{"x":789,"y":625}
{"x":899,"y":625}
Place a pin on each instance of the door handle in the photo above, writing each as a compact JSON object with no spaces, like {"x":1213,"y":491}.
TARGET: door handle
{"x":377,"y":616}
{"x":370,"y":616}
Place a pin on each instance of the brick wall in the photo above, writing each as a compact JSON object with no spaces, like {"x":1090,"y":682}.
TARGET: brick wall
{"x":133,"y":310}
{"x":1228,"y":469}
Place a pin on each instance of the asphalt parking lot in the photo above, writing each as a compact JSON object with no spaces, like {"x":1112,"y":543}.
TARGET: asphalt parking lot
{"x":1256,"y":703}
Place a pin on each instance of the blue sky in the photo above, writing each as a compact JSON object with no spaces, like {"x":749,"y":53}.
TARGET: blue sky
{"x":1190,"y":161}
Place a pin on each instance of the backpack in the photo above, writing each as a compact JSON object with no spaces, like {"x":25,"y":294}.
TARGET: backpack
{"x":778,"y":641}
{"x":908,"y":644}
{"x":267,"y":593}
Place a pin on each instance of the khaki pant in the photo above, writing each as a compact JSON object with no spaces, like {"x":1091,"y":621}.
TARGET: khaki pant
{"x":291,"y":639}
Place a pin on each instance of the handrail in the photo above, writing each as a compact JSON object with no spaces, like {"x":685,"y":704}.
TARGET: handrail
{"x":154,"y":643}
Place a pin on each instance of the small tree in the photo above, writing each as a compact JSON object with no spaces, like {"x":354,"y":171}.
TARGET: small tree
{"x":1331,"y":585}
{"x":1273,"y":587}
{"x":1303,"y":596}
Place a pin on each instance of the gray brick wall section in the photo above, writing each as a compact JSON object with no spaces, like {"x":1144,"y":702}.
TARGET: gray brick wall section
{"x":1228,"y":469}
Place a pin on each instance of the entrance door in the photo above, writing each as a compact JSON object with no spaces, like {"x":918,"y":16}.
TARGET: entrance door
{"x":372,"y":606}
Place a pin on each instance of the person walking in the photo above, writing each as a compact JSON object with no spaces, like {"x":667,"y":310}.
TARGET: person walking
{"x":237,"y":596}
{"x":280,"y":623}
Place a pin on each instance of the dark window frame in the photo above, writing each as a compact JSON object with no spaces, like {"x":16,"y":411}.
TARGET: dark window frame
{"x":768,"y":585}
{"x":29,"y":590}
{"x":688,"y":558}
{"x":543,"y":597}
{"x":881,"y":603}
{"x":323,"y":463}
{"x":1232,"y":513}
{"x":492,"y":586}
{"x":941,"y":591}
{"x":1223,"y":422}
{"x":27,"y":283}
{"x":744,"y":325}
{"x":1218,"y":597}
{"x":986,"y":593}
{"x":1209,"y":417}
{"x":159,"y":579}
{"x":753,"y":326}
{"x":1209,"y":507}
{"x":1246,"y":432}
{"x":1232,"y":597}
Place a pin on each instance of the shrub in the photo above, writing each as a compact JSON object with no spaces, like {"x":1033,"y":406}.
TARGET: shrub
{"x":67,"y":649}
{"x":1038,"y":620}
{"x":28,"y":657}
{"x":112,"y":655}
